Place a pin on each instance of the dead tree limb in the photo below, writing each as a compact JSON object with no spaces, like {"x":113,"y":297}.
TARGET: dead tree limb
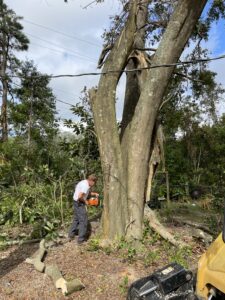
{"x":160,"y":229}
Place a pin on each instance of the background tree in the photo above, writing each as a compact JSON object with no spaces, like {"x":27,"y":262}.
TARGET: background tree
{"x":33,"y":115}
{"x":12,"y":39}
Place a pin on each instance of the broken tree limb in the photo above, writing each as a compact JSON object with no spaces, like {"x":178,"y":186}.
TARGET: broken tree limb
{"x":19,"y":242}
{"x":38,"y":257}
{"x":101,"y":60}
{"x":160,"y":229}
{"x":60,"y":283}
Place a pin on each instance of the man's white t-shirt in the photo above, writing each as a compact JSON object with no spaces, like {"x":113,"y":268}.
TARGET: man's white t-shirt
{"x":82,"y":187}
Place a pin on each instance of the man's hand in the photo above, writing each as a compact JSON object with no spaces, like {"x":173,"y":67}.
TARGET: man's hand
{"x":94,"y":194}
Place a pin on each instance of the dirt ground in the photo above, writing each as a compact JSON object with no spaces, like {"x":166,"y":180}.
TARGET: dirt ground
{"x":105,"y":274}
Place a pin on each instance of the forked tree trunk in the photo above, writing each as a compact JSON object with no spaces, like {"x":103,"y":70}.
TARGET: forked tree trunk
{"x":125,"y":158}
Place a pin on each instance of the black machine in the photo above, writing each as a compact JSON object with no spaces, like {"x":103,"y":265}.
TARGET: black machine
{"x":172,"y":282}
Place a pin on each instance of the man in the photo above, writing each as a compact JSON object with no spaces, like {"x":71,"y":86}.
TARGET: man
{"x":80,"y":221}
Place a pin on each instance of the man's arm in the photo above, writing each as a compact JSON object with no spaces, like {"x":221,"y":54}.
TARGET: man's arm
{"x":81,"y":198}
{"x":94,"y":194}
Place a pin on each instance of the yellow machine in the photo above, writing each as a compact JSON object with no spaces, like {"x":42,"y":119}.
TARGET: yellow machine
{"x":173,"y":282}
{"x":211,"y":272}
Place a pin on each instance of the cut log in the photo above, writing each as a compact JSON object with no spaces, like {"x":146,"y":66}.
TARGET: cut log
{"x":60,"y":283}
{"x":73,"y":286}
{"x":36,"y":260}
{"x":160,"y":229}
{"x":53,"y":272}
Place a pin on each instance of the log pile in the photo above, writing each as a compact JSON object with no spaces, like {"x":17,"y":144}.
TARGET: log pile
{"x":67,"y":287}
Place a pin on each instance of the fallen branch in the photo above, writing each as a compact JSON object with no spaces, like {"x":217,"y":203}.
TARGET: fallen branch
{"x":20,"y":210}
{"x":160,"y":229}
{"x":38,"y":257}
{"x":19,"y":242}
{"x":60,"y":283}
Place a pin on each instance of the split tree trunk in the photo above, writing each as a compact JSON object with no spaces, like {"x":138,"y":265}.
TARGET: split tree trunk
{"x":125,"y":159}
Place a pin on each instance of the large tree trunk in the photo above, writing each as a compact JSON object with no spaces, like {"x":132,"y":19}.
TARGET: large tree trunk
{"x":174,"y":39}
{"x":103,"y":105}
{"x":125,"y":159}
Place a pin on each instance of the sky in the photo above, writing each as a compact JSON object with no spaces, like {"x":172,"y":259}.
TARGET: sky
{"x":65,"y":38}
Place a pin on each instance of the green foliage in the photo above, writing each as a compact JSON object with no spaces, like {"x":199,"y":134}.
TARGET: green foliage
{"x":124,"y":285}
{"x":33,"y":115}
{"x":51,"y":229}
{"x":11,"y":27}
{"x":150,"y":237}
{"x":129,"y":252}
{"x":93,"y":245}
{"x":197,"y":159}
{"x":181,"y":255}
{"x":37,"y":178}
{"x":34,"y":200}
{"x":151,"y":257}
{"x":84,"y":128}
{"x":215,"y":223}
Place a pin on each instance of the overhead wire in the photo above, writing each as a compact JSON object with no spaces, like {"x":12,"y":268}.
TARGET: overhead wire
{"x":69,"y":93}
{"x":55,"y":50}
{"x":62,"y":33}
{"x":77,"y":54}
{"x":131,"y":70}
{"x":58,"y":51}
{"x":55,"y":98}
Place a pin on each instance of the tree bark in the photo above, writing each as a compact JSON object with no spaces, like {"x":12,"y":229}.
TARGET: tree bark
{"x":174,"y":40}
{"x":103,"y":107}
{"x":125,"y":158}
{"x":4,"y":119}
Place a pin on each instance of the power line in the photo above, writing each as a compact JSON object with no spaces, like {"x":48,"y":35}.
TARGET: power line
{"x":55,"y":98}
{"x":69,"y":93}
{"x":62,"y":33}
{"x":60,"y":47}
{"x":64,"y":102}
{"x":128,"y":71}
{"x":58,"y":51}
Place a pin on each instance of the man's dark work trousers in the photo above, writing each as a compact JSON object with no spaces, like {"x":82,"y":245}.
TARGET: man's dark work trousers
{"x":80,"y":221}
